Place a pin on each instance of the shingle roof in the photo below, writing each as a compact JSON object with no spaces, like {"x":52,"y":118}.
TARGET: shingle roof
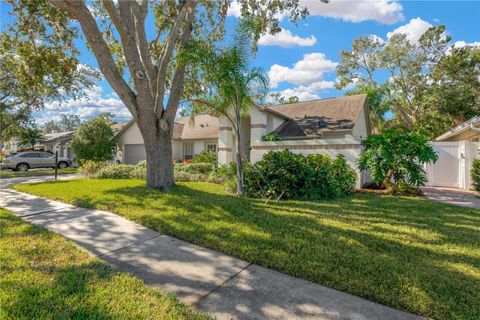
{"x":316,"y":117}
{"x":202,"y":127}
{"x":116,"y":127}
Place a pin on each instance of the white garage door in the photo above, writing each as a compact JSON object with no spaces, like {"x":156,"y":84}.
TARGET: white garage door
{"x":446,"y":171}
{"x":134,"y":153}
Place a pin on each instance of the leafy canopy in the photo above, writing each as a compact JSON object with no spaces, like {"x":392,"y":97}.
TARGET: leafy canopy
{"x":67,"y":122}
{"x":398,"y":155}
{"x":429,"y":85}
{"x":94,"y":140}
{"x":38,"y":63}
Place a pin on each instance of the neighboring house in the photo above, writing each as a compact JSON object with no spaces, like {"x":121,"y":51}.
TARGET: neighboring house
{"x":190,"y":137}
{"x":456,"y":149}
{"x":329,"y":126}
{"x":50,"y":141}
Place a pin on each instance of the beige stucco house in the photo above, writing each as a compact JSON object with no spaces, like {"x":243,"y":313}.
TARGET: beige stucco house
{"x":329,"y":126}
{"x":190,"y":137}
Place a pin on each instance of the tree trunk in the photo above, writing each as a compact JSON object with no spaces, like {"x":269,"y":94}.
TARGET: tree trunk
{"x":157,"y":138}
{"x":239,"y":158}
{"x":387,"y":182}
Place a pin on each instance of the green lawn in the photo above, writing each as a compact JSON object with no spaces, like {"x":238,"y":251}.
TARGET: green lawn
{"x":44,"y":276}
{"x":35,"y":172}
{"x":408,"y":253}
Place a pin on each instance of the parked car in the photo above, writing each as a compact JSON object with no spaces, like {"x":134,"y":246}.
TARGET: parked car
{"x":23,"y":161}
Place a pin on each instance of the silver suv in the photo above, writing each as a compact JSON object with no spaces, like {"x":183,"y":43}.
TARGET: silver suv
{"x":34,"y":159}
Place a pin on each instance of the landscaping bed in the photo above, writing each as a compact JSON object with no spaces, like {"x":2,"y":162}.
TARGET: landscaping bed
{"x":45,"y":276}
{"x":406,"y":252}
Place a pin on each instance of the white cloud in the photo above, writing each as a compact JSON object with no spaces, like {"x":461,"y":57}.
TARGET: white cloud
{"x":308,"y":92}
{"x":286,"y":39}
{"x":461,"y":44}
{"x":413,"y":29}
{"x":235,"y":9}
{"x":302,"y":95}
{"x":304,"y":72}
{"x":95,"y":103}
{"x":383,"y":11}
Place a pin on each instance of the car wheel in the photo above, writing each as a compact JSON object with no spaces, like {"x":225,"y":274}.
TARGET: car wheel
{"x":62,"y":165}
{"x":22,"y":167}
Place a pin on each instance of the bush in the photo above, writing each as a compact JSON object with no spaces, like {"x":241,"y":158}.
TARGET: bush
{"x":116,"y":171}
{"x":280,"y":174}
{"x":94,"y":140}
{"x":344,"y":176}
{"x":395,"y":159}
{"x":139,"y":172}
{"x":91,"y":168}
{"x":190,"y":176}
{"x":205,"y":157}
{"x":287,"y":175}
{"x":475,"y":173}
{"x":202,"y":168}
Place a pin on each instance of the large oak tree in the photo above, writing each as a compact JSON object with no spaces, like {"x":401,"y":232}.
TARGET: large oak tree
{"x":156,"y":42}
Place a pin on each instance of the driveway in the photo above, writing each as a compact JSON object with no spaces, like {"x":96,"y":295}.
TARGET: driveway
{"x":458,"y":197}
{"x":5,"y":183}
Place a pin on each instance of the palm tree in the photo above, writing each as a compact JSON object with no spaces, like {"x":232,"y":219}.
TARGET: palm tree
{"x":235,"y":88}
{"x":30,"y":137}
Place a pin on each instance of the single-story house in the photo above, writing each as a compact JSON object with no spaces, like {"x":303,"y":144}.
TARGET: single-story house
{"x":456,"y":150}
{"x":50,"y":141}
{"x":190,"y":137}
{"x":330,"y":126}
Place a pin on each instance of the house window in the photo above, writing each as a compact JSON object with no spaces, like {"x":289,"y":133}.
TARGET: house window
{"x":211,"y":147}
{"x":187,"y":150}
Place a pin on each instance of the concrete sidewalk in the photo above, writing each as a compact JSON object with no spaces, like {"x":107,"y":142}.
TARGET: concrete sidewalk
{"x":5,"y":183}
{"x":223,"y":286}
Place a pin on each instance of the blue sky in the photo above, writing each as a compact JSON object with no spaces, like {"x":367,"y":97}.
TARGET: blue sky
{"x":301,"y":59}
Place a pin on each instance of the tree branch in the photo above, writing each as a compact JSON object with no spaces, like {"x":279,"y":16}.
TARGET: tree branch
{"x":79,"y":11}
{"x":180,"y":26}
{"x":140,"y":12}
{"x":130,"y":47}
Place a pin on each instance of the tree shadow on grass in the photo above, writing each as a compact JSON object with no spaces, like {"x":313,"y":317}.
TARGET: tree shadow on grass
{"x":409,"y":253}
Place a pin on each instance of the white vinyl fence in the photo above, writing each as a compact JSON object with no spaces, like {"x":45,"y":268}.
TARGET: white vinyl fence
{"x":454,"y":164}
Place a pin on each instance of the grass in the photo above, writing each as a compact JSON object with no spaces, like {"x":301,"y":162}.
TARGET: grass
{"x":35,"y":172}
{"x":45,"y":276}
{"x":408,"y":253}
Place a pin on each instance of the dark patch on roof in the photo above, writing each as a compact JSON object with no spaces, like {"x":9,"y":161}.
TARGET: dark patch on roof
{"x":314,"y":118}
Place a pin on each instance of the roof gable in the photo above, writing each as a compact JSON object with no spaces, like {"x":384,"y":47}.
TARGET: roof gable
{"x":314,"y":118}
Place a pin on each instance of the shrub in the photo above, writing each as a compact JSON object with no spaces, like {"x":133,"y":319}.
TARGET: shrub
{"x":289,"y":175}
{"x":139,"y":172}
{"x":475,"y":173}
{"x":203,"y":168}
{"x":190,"y":176}
{"x":344,"y":176}
{"x":395,"y":157}
{"x":116,"y":171}
{"x":123,"y":171}
{"x":142,"y":163}
{"x":205,"y":157}
{"x":94,"y":140}
{"x":91,"y":168}
{"x":271,"y":137}
{"x":321,"y":185}
{"x":280,"y":174}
